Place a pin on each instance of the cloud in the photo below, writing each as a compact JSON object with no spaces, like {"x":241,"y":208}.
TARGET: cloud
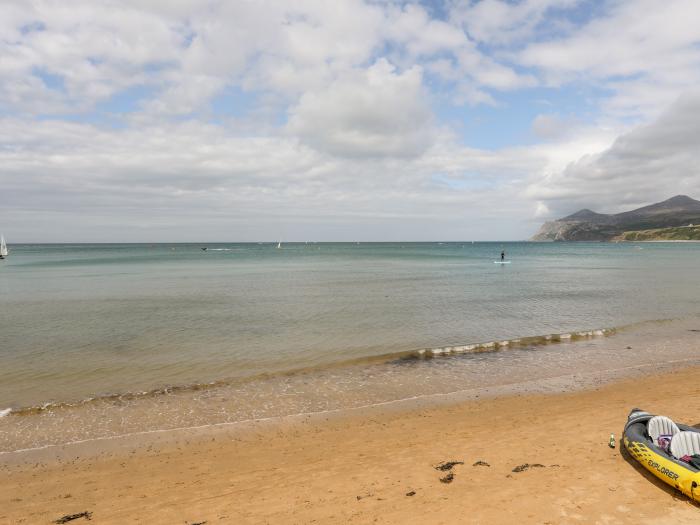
{"x":412,"y":26}
{"x":188,"y":49}
{"x":92,"y":51}
{"x":650,"y":163}
{"x":645,"y":52}
{"x":374,"y":112}
{"x":498,"y":22}
{"x":551,"y":126}
{"x":191,"y":180}
{"x":352,"y":118}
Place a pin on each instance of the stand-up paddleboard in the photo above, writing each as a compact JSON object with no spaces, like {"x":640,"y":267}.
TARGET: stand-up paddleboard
{"x":501,"y":262}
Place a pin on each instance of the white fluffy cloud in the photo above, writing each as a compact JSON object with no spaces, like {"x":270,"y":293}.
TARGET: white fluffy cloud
{"x":351,"y":115}
{"x":373,"y":112}
{"x":91,"y":50}
{"x":645,"y":51}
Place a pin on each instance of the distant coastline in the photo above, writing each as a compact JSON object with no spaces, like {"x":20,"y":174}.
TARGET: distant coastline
{"x":672,"y":219}
{"x":662,"y":240}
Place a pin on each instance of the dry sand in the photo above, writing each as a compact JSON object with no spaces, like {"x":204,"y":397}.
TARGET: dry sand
{"x":374,"y":466}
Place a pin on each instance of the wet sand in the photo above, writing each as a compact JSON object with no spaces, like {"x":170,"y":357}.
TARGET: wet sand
{"x":373,"y":466}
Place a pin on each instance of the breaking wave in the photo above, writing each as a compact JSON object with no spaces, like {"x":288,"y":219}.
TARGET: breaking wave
{"x":419,"y":354}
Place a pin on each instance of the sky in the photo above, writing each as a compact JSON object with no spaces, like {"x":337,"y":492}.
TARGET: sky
{"x":343,"y":120}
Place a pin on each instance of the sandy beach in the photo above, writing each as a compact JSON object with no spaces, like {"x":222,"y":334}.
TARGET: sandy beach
{"x":373,"y":466}
{"x":349,"y":262}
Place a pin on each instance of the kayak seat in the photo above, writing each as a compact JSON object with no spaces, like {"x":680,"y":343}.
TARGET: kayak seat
{"x":685,"y":444}
{"x":661,"y":429}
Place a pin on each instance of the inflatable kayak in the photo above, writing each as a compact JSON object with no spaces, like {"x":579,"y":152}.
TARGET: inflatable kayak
{"x":670,"y":451}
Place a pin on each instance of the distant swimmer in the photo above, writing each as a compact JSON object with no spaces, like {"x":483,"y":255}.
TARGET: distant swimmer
{"x":503,"y":255}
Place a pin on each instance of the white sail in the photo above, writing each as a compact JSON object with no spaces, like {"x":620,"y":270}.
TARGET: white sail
{"x":279,"y":244}
{"x":3,"y":247}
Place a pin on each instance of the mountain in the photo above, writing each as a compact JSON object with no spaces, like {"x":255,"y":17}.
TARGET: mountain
{"x":587,"y":225}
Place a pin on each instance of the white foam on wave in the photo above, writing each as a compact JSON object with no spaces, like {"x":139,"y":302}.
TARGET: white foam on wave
{"x":494,"y":345}
{"x":5,"y":412}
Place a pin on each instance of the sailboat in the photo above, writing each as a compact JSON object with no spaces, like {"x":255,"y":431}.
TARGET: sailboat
{"x":279,"y":244}
{"x":3,"y":247}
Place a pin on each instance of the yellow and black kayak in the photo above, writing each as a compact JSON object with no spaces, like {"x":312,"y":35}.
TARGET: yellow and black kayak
{"x":659,"y":444}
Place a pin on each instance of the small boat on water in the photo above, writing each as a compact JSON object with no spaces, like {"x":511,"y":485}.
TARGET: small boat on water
{"x":669,"y":450}
{"x":3,"y":248}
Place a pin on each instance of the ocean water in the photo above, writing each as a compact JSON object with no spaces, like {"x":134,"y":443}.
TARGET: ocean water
{"x":178,"y":335}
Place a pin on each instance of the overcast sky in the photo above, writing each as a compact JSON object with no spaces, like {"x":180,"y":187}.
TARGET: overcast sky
{"x":243,"y":120}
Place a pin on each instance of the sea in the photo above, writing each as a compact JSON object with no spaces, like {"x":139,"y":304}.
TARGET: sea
{"x":103,"y":340}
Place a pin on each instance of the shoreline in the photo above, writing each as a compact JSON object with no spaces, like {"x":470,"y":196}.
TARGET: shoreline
{"x":556,"y":385}
{"x":616,"y":241}
{"x":527,"y":341}
{"x":570,"y":364}
{"x":362,"y":465}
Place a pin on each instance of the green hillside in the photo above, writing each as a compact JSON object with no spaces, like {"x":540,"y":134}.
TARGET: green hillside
{"x":679,"y":233}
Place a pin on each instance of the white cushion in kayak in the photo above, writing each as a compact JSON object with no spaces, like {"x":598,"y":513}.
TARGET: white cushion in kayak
{"x":685,"y":444}
{"x":661,"y":426}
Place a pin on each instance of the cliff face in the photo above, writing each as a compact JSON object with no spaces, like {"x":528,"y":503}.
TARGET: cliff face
{"x":561,"y":230}
{"x":586,"y":225}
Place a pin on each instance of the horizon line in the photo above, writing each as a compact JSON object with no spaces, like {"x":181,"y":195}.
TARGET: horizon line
{"x":17,"y":243}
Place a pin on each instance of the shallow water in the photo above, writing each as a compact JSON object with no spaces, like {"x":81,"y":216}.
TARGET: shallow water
{"x":553,"y":366}
{"x":84,"y":321}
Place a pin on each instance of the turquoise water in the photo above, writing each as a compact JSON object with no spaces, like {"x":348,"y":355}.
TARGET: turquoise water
{"x":79,"y":321}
